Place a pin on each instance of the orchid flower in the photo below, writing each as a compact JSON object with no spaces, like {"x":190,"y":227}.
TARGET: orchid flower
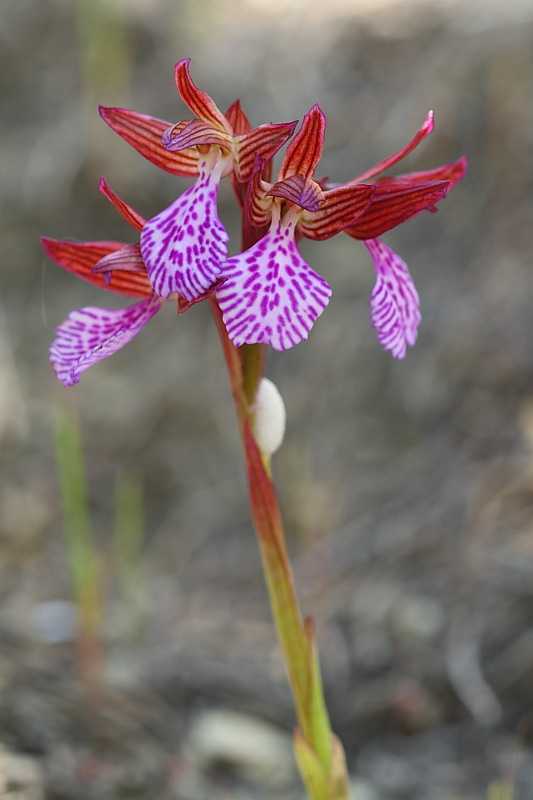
{"x":394,"y":302}
{"x":269,"y":293}
{"x":184,"y":246}
{"x":91,"y":334}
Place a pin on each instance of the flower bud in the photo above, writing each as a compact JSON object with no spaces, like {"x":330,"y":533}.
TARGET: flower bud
{"x":268,"y":417}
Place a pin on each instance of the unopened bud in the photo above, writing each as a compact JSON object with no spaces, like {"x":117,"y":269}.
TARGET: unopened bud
{"x":269,"y":417}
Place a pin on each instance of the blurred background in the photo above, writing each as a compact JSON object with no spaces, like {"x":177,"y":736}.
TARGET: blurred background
{"x":407,"y":487}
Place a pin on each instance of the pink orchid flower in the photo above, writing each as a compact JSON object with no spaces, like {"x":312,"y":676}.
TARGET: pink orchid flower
{"x":184,"y":247}
{"x":270,"y":294}
{"x":394,"y":303}
{"x":90,"y":334}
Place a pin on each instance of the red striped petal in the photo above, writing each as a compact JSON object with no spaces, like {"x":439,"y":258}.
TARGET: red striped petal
{"x":258,"y":205}
{"x":126,"y":211}
{"x":128,"y":258}
{"x":341,"y":207}
{"x":238,"y":119}
{"x":303,"y":153}
{"x":424,"y":131}
{"x":144,"y":134}
{"x":301,"y":191}
{"x":199,"y":102}
{"x":197,"y":132}
{"x":393,"y":204}
{"x":81,"y":257}
{"x":263,"y":142}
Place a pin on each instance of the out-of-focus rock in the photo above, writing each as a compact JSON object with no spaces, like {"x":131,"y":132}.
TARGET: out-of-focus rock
{"x":250,"y":747}
{"x":414,"y":707}
{"x":373,"y":600}
{"x":24,"y":516}
{"x":54,"y":621}
{"x":390,"y":773}
{"x":363,"y":790}
{"x":417,"y":617}
{"x":372,"y":650}
{"x":20,"y":777}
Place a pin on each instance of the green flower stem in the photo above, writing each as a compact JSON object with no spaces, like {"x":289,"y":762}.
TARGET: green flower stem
{"x":253,"y":368}
{"x":318,"y":752}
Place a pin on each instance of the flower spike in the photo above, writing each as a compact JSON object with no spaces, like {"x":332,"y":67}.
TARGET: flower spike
{"x":267,"y":294}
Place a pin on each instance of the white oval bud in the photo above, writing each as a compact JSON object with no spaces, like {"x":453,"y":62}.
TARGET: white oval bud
{"x":269,"y":417}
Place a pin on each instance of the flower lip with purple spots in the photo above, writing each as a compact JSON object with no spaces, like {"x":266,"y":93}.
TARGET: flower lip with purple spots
{"x":394,"y":303}
{"x":270,"y":295}
{"x":184,"y":247}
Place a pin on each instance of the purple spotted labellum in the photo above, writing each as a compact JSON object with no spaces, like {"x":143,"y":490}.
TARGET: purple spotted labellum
{"x":184,"y":246}
{"x":270,"y":294}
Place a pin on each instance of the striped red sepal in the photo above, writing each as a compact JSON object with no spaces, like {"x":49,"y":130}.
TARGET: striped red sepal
{"x":449,"y":172}
{"x":238,"y":119}
{"x":424,"y":131}
{"x":303,"y":153}
{"x":201,"y":105}
{"x":341,"y":207}
{"x":262,"y":142}
{"x":144,"y":134}
{"x":195,"y":133}
{"x":81,"y":257}
{"x":395,"y":203}
{"x":126,"y":211}
{"x":301,"y":191}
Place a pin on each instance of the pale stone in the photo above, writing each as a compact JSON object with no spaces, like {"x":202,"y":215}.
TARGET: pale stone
{"x":253,"y":748}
